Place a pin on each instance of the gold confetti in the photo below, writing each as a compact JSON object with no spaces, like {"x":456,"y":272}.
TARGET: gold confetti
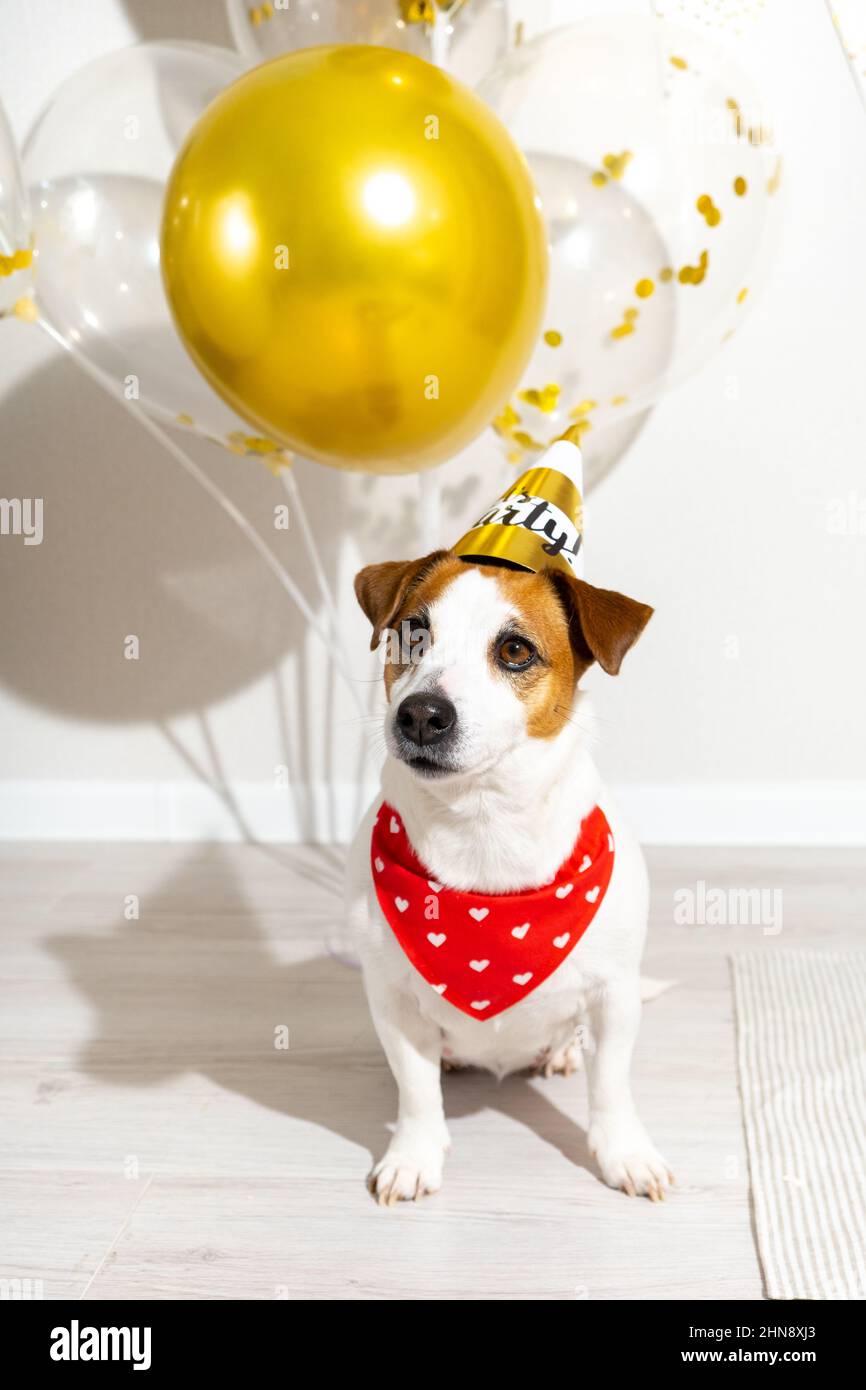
{"x":742,"y":295}
{"x":618,"y":400}
{"x":25,"y":309}
{"x":644,"y":288}
{"x":417,"y":11}
{"x":583,"y":408}
{"x":505,"y":422}
{"x":726,"y":336}
{"x":553,"y":338}
{"x":518,"y":33}
{"x":546,"y":399}
{"x":775,"y":178}
{"x":19,"y":260}
{"x":252,"y":443}
{"x":708,"y":210}
{"x":615,"y":166}
{"x":184,"y":419}
{"x":666,"y":275}
{"x":756,"y":135}
{"x":694,"y":274}
{"x":526,"y":441}
{"x":275,"y":463}
{"x":622,"y":330}
{"x":259,"y":13}
{"x":272,"y":455}
{"x":734,"y":108}
{"x":679,"y":63}
{"x":740,"y":187}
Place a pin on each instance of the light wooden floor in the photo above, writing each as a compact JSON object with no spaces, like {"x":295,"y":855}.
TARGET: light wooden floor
{"x":156,"y":1144}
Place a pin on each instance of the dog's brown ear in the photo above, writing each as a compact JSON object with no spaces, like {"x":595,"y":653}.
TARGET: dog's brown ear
{"x":603,"y":624}
{"x":381,"y":589}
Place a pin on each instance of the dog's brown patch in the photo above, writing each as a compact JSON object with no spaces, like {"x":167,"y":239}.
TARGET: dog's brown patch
{"x":547,"y":686}
{"x":569,"y":622}
{"x":391,"y":592}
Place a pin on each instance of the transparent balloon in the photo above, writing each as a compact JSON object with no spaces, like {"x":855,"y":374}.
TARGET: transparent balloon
{"x":466,"y":36}
{"x":658,"y":176}
{"x":96,"y":165}
{"x":16,"y":253}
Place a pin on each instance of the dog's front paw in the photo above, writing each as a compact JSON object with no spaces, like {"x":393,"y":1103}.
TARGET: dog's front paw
{"x":628,"y":1158}
{"x":411,"y":1168}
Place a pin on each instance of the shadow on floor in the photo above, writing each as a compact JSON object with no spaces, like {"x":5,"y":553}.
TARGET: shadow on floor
{"x":195,"y":986}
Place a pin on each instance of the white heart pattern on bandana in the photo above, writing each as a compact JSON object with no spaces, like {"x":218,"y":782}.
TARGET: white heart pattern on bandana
{"x":515,"y":940}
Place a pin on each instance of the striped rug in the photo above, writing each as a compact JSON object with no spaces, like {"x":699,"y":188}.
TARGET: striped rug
{"x":801,"y":1051}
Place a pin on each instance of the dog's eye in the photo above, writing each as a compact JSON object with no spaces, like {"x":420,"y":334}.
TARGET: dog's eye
{"x":515,"y":654}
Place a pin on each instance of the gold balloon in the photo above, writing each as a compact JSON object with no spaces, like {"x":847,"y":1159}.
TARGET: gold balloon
{"x":354,"y":255}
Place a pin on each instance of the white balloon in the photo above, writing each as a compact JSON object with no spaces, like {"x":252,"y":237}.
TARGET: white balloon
{"x":467,"y":36}
{"x":96,"y":163}
{"x":658,"y":176}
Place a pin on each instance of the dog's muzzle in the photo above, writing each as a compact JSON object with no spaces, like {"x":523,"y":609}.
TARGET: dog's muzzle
{"x":425,"y":726}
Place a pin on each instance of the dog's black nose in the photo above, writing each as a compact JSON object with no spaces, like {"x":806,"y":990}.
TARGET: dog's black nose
{"x":425,"y":719}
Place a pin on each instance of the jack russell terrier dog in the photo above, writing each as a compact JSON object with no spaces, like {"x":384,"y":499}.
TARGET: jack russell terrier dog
{"x":498,"y":902}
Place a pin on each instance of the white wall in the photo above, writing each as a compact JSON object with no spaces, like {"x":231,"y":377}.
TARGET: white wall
{"x":718,"y":515}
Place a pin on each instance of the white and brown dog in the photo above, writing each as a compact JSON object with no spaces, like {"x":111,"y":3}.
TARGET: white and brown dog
{"x":489,"y":777}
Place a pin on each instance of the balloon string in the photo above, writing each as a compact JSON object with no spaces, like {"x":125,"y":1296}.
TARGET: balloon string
{"x":429,"y":509}
{"x":228,"y":506}
{"x":439,"y":36}
{"x":429,"y":487}
{"x":849,"y":62}
{"x":290,"y":485}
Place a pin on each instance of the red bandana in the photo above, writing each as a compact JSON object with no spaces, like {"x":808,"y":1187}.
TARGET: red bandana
{"x":484,"y":952}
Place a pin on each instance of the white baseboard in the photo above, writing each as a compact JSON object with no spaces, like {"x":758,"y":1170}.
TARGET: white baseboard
{"x":773,"y":813}
{"x":747,"y":813}
{"x":180,"y":811}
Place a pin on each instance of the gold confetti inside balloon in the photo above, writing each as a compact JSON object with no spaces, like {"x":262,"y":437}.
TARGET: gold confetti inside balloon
{"x":355,"y":258}
{"x":466,"y":36}
{"x":658,"y":177}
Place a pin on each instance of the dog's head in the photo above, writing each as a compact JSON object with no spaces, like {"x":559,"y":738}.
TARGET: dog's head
{"x":479,"y":658}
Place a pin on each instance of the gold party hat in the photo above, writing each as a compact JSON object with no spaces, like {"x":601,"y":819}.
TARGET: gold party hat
{"x":538,"y":521}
